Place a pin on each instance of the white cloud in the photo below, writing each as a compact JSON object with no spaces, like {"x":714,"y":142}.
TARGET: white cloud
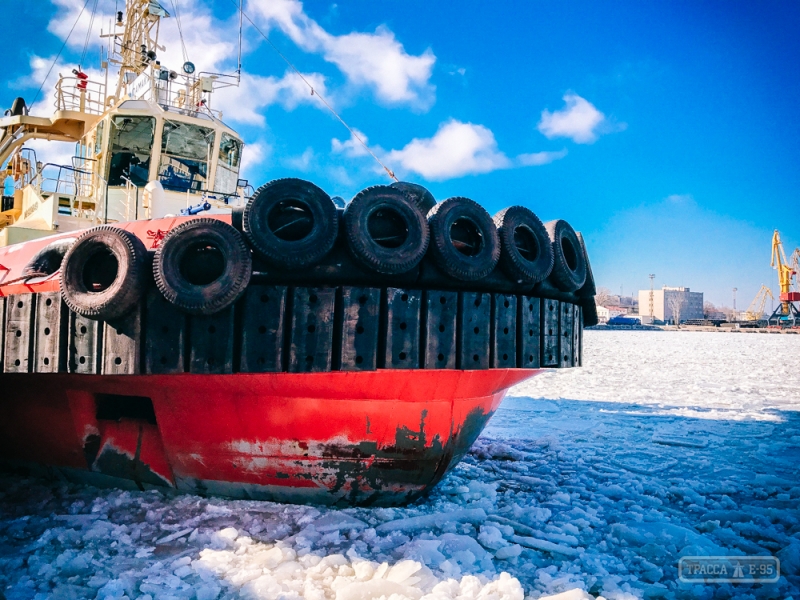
{"x":254,"y":156}
{"x":244,"y":104}
{"x":209,"y":42}
{"x":540,"y":158}
{"x":57,"y":153}
{"x":45,"y":103}
{"x":578,"y":120}
{"x":351,"y":147}
{"x":67,"y":15}
{"x":376,"y":60}
{"x":304,"y":162}
{"x":456,"y":149}
{"x":681,"y":199}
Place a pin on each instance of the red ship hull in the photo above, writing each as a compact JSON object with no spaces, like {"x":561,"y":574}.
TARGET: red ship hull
{"x":383,"y":437}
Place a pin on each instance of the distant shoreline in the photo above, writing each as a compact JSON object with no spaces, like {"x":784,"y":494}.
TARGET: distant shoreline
{"x":694,"y":328}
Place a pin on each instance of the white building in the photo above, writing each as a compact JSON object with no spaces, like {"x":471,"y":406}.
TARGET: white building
{"x":604,"y":313}
{"x":669,"y":300}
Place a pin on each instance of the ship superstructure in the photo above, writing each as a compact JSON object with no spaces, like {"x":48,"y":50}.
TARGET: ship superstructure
{"x":147,"y":145}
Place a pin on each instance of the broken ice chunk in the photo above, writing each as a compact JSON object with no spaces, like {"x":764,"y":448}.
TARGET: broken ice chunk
{"x":508,"y":552}
{"x":336,"y":520}
{"x":469,"y":515}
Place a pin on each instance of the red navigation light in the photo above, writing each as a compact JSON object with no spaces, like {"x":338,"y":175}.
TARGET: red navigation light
{"x":82,"y":78}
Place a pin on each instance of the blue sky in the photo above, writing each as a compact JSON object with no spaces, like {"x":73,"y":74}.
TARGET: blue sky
{"x":667,"y":132}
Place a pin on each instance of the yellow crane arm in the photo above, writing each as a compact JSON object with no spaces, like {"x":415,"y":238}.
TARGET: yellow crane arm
{"x":753,"y":313}
{"x":778,"y":261}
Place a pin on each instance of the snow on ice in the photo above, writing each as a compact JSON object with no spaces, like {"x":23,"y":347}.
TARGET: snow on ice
{"x":588,"y":482}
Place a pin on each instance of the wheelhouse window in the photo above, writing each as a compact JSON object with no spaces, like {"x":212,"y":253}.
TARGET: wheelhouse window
{"x":185,"y":154}
{"x":230,"y":156}
{"x":98,"y":137}
{"x":131,"y":148}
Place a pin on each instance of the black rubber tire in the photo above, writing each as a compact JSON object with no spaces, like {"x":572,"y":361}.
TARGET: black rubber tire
{"x":202,"y":266}
{"x":113,"y":262}
{"x":569,"y":265}
{"x":387,"y":214}
{"x":526,"y":254}
{"x":588,"y":289}
{"x":447,"y":256}
{"x":418,"y":194}
{"x":280,"y":200}
{"x":48,"y":260}
{"x":589,"y":310}
{"x":237,"y":214}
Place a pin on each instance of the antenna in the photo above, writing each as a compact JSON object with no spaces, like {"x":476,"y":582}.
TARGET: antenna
{"x":239,"y":64}
{"x":652,"y":276}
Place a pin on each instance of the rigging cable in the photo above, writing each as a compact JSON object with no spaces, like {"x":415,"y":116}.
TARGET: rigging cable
{"x":315,"y":92}
{"x":239,"y":64}
{"x":180,"y":30}
{"x":88,"y":33}
{"x":55,"y":60}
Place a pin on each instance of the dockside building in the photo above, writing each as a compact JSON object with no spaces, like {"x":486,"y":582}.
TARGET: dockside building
{"x":668,"y":300}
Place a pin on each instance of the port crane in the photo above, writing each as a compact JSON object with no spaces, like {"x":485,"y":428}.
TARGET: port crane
{"x":787,"y":314}
{"x":755,"y":312}
{"x":794,"y":261}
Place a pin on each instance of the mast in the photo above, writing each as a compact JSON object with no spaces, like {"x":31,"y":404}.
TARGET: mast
{"x":138,"y":48}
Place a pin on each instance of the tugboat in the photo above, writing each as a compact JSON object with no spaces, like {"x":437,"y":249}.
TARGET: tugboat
{"x":166,"y":325}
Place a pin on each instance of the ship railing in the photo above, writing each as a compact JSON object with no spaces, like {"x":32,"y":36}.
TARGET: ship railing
{"x":130,"y":202}
{"x":82,"y":95}
{"x":186,"y":96}
{"x":77,"y":191}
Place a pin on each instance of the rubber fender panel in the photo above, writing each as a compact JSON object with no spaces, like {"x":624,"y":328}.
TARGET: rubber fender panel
{"x":569,"y":264}
{"x":104,"y":273}
{"x":386,"y":232}
{"x":48,"y":260}
{"x":418,"y":194}
{"x":526,"y":254}
{"x":290,"y":223}
{"x":202,"y":266}
{"x":464,"y":241}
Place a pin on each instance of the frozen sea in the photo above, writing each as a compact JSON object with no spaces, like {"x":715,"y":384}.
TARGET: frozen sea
{"x":587,"y":483}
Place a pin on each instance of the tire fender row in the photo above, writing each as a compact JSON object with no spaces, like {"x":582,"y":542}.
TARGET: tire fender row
{"x":294,"y":329}
{"x":291,"y":227}
{"x":391,"y":230}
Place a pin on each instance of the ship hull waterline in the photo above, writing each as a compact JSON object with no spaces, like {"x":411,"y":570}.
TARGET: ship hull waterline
{"x":375,"y":438}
